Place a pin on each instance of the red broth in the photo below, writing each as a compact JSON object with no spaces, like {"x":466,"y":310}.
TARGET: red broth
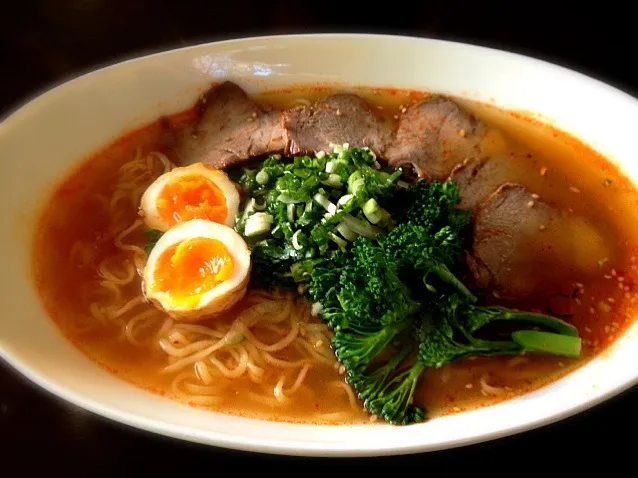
{"x":561,"y":168}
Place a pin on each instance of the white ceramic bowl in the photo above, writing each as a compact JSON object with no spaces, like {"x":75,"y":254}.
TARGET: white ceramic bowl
{"x":59,"y":128}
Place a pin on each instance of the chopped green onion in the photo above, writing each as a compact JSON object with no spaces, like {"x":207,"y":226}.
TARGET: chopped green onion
{"x":316,"y":309}
{"x":360,"y":227}
{"x":340,"y":242}
{"x":346,"y":232}
{"x":258,"y":223}
{"x":325,"y":203}
{"x":334,"y":180}
{"x":343,"y":200}
{"x":262,"y":177}
{"x":372,"y":211}
{"x":287,"y":199}
{"x":295,"y":241}
{"x":253,"y":206}
{"x":356,"y":183}
{"x":340,"y":149}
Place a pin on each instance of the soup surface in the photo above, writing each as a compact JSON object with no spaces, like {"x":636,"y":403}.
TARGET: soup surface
{"x":89,"y":255}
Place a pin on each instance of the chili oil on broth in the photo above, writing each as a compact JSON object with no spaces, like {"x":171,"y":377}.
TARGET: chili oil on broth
{"x":87,"y":272}
{"x":105,"y":191}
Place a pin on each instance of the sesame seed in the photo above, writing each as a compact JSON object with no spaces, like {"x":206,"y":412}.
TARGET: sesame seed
{"x":611,"y":299}
{"x":541,"y":227}
{"x":373,"y":418}
{"x":342,"y":370}
{"x":396,"y":116}
{"x":606,"y":329}
{"x":579,"y":285}
{"x":613,"y":272}
{"x":587,"y":329}
{"x":591,"y":310}
{"x":468,"y":385}
{"x":574,"y":190}
{"x":615,"y":324}
{"x":544,"y":170}
{"x":462,"y":133}
{"x":338,"y":112}
{"x":496,"y":294}
{"x":379,"y":107}
{"x":607,"y":276}
{"x":319,"y":343}
{"x":403,"y":110}
{"x":561,"y":364}
{"x":620,"y":285}
{"x":621,"y":279}
{"x":578,"y":301}
{"x":530,"y":204}
{"x":604,"y":306}
{"x":456,"y":409}
{"x":254,"y":115}
{"x":535,"y":196}
{"x":626,"y":287}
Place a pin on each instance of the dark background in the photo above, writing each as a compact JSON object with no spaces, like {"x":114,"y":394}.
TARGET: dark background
{"x":44,"y":42}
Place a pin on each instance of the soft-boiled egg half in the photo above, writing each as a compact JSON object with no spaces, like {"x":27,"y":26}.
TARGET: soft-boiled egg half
{"x":190,"y":192}
{"x":197,"y":270}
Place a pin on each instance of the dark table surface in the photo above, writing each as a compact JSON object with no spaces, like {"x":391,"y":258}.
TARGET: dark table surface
{"x":44,"y":42}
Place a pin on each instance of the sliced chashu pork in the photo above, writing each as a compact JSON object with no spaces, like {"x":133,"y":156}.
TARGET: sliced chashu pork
{"x":522,"y":245}
{"x":231,"y":129}
{"x":337,"y":119}
{"x":478,"y":178}
{"x":433,"y":137}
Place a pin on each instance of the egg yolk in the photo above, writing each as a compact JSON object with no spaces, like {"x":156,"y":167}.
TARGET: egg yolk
{"x":191,"y":268}
{"x":192,"y":197}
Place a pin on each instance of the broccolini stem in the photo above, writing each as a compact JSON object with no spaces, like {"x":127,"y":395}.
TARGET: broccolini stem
{"x":443,"y":273}
{"x":558,"y":325}
{"x":547,"y":342}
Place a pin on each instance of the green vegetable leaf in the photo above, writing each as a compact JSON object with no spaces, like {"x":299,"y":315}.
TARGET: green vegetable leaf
{"x":153,"y":235}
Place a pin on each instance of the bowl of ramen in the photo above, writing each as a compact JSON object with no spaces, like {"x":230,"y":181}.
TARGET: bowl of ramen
{"x":334,"y":245}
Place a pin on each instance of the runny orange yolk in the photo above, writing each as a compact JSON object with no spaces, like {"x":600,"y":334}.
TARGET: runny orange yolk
{"x":192,"y":197}
{"x":191,"y":268}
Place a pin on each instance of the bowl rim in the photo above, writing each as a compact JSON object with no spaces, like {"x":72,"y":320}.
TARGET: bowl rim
{"x":281,"y":447}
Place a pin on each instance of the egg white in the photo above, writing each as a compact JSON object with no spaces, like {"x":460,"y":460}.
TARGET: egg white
{"x":148,"y":203}
{"x":221,"y":297}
